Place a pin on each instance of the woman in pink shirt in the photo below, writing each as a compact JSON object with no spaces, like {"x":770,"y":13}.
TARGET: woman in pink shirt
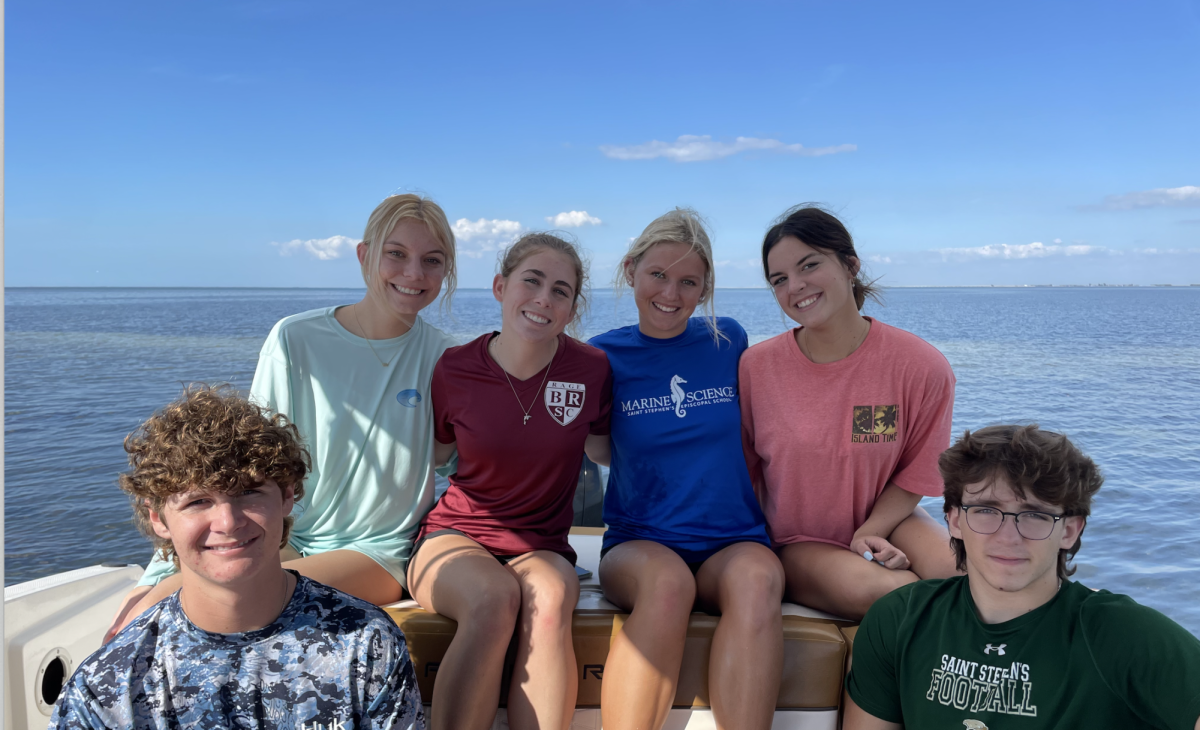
{"x":493,"y":555}
{"x":843,"y":419}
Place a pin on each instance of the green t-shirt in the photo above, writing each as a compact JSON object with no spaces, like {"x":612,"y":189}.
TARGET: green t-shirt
{"x":1086,"y":659}
{"x":368,"y":428}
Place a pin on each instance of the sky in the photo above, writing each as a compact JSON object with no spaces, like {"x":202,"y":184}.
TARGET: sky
{"x":245,"y":143}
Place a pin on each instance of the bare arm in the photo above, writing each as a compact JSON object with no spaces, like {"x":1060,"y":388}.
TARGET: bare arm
{"x":598,"y":449}
{"x":893,"y":507}
{"x":859,"y":719}
{"x":140,"y":599}
{"x":442,"y":452}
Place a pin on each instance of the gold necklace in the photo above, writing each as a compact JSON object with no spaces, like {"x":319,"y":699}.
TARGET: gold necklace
{"x":354,"y":311}
{"x":514,"y":390}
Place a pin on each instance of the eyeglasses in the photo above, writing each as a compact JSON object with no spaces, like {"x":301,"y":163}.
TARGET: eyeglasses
{"x":1030,"y":525}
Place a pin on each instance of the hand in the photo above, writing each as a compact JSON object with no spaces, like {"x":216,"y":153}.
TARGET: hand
{"x":881,"y":550}
{"x":131,"y":599}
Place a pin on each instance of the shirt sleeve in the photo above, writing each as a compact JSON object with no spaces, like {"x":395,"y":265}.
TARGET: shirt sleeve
{"x":753,"y":462}
{"x":157,"y":570}
{"x":272,"y":384}
{"x":76,"y":709}
{"x":1145,"y":658}
{"x":602,"y":426}
{"x":927,"y":434}
{"x":439,"y":390}
{"x":873,"y":683}
{"x":392,"y":699}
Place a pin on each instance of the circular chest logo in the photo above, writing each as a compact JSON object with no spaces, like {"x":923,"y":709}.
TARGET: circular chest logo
{"x":408,"y":398}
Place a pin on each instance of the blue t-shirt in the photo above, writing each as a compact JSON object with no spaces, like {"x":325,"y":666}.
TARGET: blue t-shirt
{"x":329,"y":661}
{"x":678,"y":475}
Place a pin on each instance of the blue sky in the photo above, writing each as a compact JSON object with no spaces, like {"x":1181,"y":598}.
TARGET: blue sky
{"x":245,"y":143}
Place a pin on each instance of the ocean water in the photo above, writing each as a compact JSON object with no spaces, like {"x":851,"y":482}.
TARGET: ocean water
{"x":1116,"y":369}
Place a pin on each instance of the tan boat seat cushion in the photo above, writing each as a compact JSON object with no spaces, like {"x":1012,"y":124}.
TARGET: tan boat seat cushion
{"x":814,"y":650}
{"x":814,"y":656}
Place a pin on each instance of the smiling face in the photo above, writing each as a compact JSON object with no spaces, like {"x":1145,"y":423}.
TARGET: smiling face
{"x":226,"y":539}
{"x":668,"y":284}
{"x":412,"y":266}
{"x":538,"y":298}
{"x":1005,"y":561}
{"x":810,"y":284}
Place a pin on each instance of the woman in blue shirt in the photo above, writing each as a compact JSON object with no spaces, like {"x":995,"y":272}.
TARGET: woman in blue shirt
{"x":684,"y":526}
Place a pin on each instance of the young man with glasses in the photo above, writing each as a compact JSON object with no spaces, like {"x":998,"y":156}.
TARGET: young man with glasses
{"x":1014,"y":644}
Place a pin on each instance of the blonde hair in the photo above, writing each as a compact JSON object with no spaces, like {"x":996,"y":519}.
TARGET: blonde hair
{"x":383,"y":221}
{"x":556,"y":241}
{"x":681,"y":225}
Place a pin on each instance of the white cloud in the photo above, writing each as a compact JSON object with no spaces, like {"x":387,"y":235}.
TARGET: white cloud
{"x":573,"y":219}
{"x":1187,"y":196}
{"x":486,"y":234}
{"x":700,"y":148}
{"x":324,"y":249}
{"x":1007,"y":251}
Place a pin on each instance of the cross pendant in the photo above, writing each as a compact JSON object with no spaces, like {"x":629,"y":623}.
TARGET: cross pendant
{"x":526,"y":419}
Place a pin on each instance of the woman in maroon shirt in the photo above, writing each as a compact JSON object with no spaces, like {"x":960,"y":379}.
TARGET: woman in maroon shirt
{"x":493,"y":554}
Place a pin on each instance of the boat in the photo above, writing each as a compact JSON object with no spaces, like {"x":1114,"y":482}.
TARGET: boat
{"x":52,"y":624}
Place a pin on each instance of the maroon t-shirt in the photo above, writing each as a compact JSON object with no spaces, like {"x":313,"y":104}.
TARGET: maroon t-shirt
{"x":515,"y":484}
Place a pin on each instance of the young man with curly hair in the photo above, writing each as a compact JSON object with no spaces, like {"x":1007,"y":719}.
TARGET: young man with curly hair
{"x":244,"y":643}
{"x":1014,"y":643}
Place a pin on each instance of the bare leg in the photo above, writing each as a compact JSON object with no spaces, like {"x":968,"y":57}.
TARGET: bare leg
{"x":348,"y":571}
{"x":454,"y":576}
{"x":927,"y":544}
{"x":544,"y":683}
{"x":744,"y":583}
{"x":831,"y":578}
{"x":642,"y":671}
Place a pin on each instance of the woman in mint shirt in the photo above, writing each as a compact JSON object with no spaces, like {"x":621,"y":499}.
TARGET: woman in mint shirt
{"x":355,"y":381}
{"x":684,"y":525}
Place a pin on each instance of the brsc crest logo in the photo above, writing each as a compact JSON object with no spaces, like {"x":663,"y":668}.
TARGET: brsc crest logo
{"x":564,"y":401}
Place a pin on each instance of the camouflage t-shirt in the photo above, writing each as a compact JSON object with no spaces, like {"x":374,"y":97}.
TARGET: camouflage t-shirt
{"x":329,"y":662}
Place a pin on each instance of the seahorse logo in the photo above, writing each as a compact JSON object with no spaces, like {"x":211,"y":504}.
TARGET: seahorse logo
{"x":677,"y":395}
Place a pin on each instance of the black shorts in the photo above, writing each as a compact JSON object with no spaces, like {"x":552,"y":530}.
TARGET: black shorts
{"x":503,"y":559}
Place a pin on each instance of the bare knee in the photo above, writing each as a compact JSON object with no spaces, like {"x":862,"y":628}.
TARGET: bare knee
{"x":753,"y":587}
{"x":493,"y":607}
{"x":549,"y":604}
{"x":671,"y":594}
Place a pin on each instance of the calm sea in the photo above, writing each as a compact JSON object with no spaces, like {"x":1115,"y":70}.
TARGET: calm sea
{"x":1116,"y":369}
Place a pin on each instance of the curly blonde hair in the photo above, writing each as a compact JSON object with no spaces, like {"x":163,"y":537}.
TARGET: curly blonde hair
{"x":213,"y":440}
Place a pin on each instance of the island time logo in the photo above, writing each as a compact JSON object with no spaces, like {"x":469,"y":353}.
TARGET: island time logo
{"x":874,"y":424}
{"x":564,"y":401}
{"x":677,"y":399}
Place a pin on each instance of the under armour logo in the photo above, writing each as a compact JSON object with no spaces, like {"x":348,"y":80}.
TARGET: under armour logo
{"x":999,"y":649}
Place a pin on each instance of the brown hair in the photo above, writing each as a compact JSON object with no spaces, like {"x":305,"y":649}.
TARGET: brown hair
{"x":213,"y":440}
{"x":1043,"y":463}
{"x":817,"y":228}
{"x":531,"y":243}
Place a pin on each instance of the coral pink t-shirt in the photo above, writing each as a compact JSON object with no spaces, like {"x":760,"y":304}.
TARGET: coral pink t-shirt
{"x":823,"y":440}
{"x":515,"y":484}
